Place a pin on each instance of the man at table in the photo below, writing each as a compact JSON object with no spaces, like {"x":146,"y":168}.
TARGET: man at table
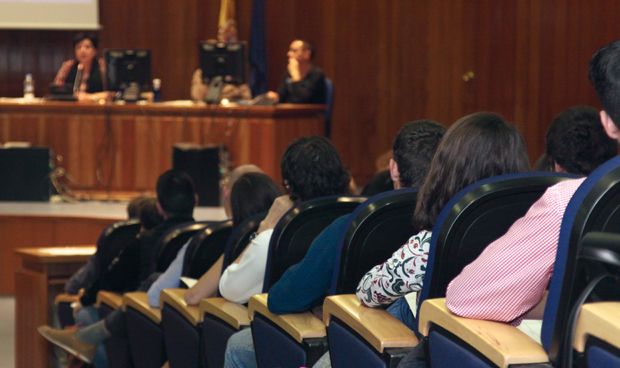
{"x":303,"y":81}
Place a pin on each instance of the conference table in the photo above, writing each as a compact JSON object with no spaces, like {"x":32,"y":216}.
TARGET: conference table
{"x":115,"y":147}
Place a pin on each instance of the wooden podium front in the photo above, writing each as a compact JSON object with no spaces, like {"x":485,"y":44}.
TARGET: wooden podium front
{"x":125,"y":147}
{"x":42,"y":275}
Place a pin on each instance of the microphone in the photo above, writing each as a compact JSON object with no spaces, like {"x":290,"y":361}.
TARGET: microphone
{"x":78,"y":78}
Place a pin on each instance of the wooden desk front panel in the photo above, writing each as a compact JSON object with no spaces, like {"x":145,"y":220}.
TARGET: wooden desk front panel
{"x":114,"y":147}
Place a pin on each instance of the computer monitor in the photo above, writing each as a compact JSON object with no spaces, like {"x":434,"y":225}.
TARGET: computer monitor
{"x":128,"y":72}
{"x":221,"y":59}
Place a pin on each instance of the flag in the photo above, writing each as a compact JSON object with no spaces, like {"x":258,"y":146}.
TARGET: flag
{"x":258,"y":49}
{"x":227,"y":25}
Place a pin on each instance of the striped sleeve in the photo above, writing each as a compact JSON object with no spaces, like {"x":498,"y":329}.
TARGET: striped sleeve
{"x":511,"y":274}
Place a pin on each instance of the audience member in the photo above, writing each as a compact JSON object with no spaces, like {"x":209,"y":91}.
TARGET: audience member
{"x":304,"y":285}
{"x":176,"y":199}
{"x":303,"y":82}
{"x":477,"y":146}
{"x":311,"y":168}
{"x":509,"y":278}
{"x":577,"y":142}
{"x":86,"y":73}
{"x":252,"y":193}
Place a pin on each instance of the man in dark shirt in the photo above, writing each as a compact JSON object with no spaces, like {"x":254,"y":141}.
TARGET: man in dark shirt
{"x":303,"y":82}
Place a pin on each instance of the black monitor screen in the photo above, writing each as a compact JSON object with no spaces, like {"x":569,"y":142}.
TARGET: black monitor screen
{"x":219,"y":59}
{"x":126,"y":66}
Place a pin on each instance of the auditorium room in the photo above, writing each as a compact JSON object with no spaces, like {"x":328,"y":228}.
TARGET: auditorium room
{"x":351,"y":183}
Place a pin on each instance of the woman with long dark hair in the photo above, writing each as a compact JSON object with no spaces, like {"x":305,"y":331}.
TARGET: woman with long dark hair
{"x":477,"y":146}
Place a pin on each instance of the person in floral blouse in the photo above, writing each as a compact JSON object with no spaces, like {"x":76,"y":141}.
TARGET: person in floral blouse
{"x":477,"y":146}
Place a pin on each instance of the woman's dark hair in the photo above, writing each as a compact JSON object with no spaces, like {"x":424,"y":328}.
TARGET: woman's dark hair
{"x":251,"y":194}
{"x":477,"y":146}
{"x":311,"y":168}
{"x":86,"y":36}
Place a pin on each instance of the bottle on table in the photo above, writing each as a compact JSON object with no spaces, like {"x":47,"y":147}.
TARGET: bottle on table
{"x":28,"y":87}
{"x":156,"y":90}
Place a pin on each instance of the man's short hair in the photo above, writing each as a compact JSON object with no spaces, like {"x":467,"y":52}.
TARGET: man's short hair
{"x":577,"y":141}
{"x":175,"y":193}
{"x":311,"y":168}
{"x":413,"y":150}
{"x":605,"y":77}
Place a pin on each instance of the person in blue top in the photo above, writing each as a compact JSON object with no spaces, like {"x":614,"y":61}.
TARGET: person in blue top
{"x":304,"y":285}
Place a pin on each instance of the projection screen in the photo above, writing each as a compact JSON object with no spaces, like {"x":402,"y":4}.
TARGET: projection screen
{"x":49,"y":14}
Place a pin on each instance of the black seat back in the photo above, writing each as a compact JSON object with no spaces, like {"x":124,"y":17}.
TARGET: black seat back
{"x":376,"y":229}
{"x":173,"y":239}
{"x":205,"y":248}
{"x":297,"y":229}
{"x":475,"y":217}
{"x":240,"y":238}
{"x":115,"y":238}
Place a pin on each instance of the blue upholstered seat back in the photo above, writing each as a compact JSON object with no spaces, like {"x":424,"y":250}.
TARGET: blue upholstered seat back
{"x":593,"y":207}
{"x":473,"y":218}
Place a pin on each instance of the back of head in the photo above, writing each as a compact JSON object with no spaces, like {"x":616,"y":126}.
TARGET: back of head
{"x":149,"y":215}
{"x":311,"y":168}
{"x":605,"y":77}
{"x":175,"y":193}
{"x":477,"y":146}
{"x":414,"y":148}
{"x":252,"y":193}
{"x":135,"y":206}
{"x":230,"y":180}
{"x":577,"y":142}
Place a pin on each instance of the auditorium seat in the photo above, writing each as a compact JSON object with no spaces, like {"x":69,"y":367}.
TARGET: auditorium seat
{"x":375,"y":229}
{"x":473,"y":218}
{"x":289,"y":242}
{"x":112,"y":240}
{"x":143,"y":329}
{"x":594,"y":207}
{"x":180,"y":325}
{"x":597,"y":334}
{"x":215,"y":332}
{"x":146,"y":333}
{"x":173,"y":240}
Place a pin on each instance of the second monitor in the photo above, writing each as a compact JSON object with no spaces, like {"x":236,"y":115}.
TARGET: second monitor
{"x":129,"y":72}
{"x":221,"y":63}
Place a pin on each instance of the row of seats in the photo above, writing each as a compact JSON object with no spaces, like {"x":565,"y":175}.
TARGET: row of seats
{"x":369,"y":337}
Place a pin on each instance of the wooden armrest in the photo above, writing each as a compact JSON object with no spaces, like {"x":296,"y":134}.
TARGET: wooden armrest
{"x":66,"y":298}
{"x":501,"y":343}
{"x":234,"y":314}
{"x":139,"y":301}
{"x":175,"y":299}
{"x":601,"y":320}
{"x":379,"y":328}
{"x":113,"y":300}
{"x":299,"y":326}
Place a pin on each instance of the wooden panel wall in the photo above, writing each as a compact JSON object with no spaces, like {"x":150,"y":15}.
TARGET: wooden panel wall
{"x":391,"y":61}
